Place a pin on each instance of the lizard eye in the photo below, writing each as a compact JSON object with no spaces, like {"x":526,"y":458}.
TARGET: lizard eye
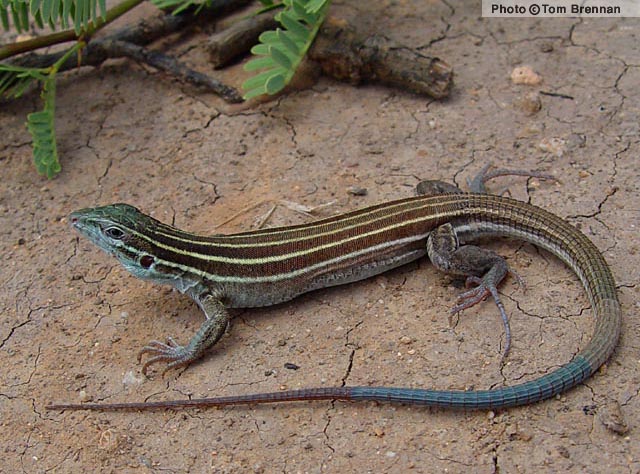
{"x":114,"y":233}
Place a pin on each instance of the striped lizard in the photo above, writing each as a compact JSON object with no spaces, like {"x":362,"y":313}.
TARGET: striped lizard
{"x":270,"y":266}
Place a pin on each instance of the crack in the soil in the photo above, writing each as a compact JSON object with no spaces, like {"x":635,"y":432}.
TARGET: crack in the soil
{"x":14,"y":329}
{"x":610,"y":193}
{"x":100,"y":279}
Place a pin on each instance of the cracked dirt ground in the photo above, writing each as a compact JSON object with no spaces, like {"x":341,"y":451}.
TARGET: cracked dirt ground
{"x":73,"y":319}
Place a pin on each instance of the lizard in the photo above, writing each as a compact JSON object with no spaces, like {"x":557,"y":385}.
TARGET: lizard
{"x":269,"y":266}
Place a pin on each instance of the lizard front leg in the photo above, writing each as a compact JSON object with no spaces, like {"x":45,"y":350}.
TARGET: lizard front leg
{"x":176,"y":355}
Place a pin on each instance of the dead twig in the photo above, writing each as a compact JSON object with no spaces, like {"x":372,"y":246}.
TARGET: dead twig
{"x":354,"y":56}
{"x":171,"y":66}
{"x":348,"y":54}
{"x":128,"y":42}
{"x":238,"y":39}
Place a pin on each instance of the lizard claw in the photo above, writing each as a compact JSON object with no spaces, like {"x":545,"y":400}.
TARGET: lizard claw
{"x":174,"y":354}
{"x":480,"y":293}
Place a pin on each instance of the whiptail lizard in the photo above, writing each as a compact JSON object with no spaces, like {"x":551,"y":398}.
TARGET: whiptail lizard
{"x":265,"y":267}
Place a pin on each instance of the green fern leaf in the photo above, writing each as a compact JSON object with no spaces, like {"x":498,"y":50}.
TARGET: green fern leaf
{"x":13,"y":85}
{"x":23,"y":11}
{"x":34,"y":6}
{"x":275,"y":84}
{"x":281,"y":51}
{"x":94,"y":10}
{"x":47,"y":10}
{"x":258,"y":91}
{"x":289,"y":43}
{"x":54,"y":12}
{"x":292,"y":24}
{"x":280,"y":57}
{"x":300,"y":9}
{"x":67,"y":5}
{"x":268,"y":37}
{"x":77,"y":15}
{"x":260,"y":80}
{"x":38,"y":19}
{"x":314,"y":6}
{"x":21,"y":86}
{"x":84,"y":19}
{"x":257,"y":85}
{"x":7,"y":83}
{"x":15,"y":17}
{"x":179,"y":5}
{"x":15,"y":79}
{"x":41,"y":126}
{"x":259,"y":63}
{"x":4,"y":17}
{"x":260,"y":50}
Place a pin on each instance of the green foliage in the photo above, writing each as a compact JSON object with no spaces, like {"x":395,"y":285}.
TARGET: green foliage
{"x":280,"y":52}
{"x":41,"y":124}
{"x":79,"y":13}
{"x":15,"y":80}
{"x":277,"y":56}
{"x":41,"y":127}
{"x":314,"y":6}
{"x":180,"y":5}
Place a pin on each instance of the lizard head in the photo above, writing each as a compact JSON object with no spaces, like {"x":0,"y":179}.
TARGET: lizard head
{"x":122,"y":231}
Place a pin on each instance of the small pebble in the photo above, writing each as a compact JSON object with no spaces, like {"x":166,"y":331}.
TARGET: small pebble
{"x":613,"y":419}
{"x":357,"y":191}
{"x":531,"y":103}
{"x":555,"y":146}
{"x":546,"y":47}
{"x":130,"y":379}
{"x":525,"y":75}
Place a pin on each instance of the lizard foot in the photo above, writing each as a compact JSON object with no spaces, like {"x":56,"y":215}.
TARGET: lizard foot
{"x":477,"y":184}
{"x":485,"y":287}
{"x":170,"y":352}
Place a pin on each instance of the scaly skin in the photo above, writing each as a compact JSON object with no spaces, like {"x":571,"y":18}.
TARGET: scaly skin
{"x":268,"y":266}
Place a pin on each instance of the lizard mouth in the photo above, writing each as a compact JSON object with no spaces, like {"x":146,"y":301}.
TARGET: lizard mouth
{"x":75,"y":219}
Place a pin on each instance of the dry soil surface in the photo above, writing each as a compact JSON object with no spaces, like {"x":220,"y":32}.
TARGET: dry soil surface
{"x":73,"y":319}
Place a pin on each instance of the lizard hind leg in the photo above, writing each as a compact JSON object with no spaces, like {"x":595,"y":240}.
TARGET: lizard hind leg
{"x":477,"y":184}
{"x":482,"y":268}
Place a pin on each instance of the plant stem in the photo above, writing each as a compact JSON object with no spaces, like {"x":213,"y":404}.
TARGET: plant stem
{"x":13,"y":49}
